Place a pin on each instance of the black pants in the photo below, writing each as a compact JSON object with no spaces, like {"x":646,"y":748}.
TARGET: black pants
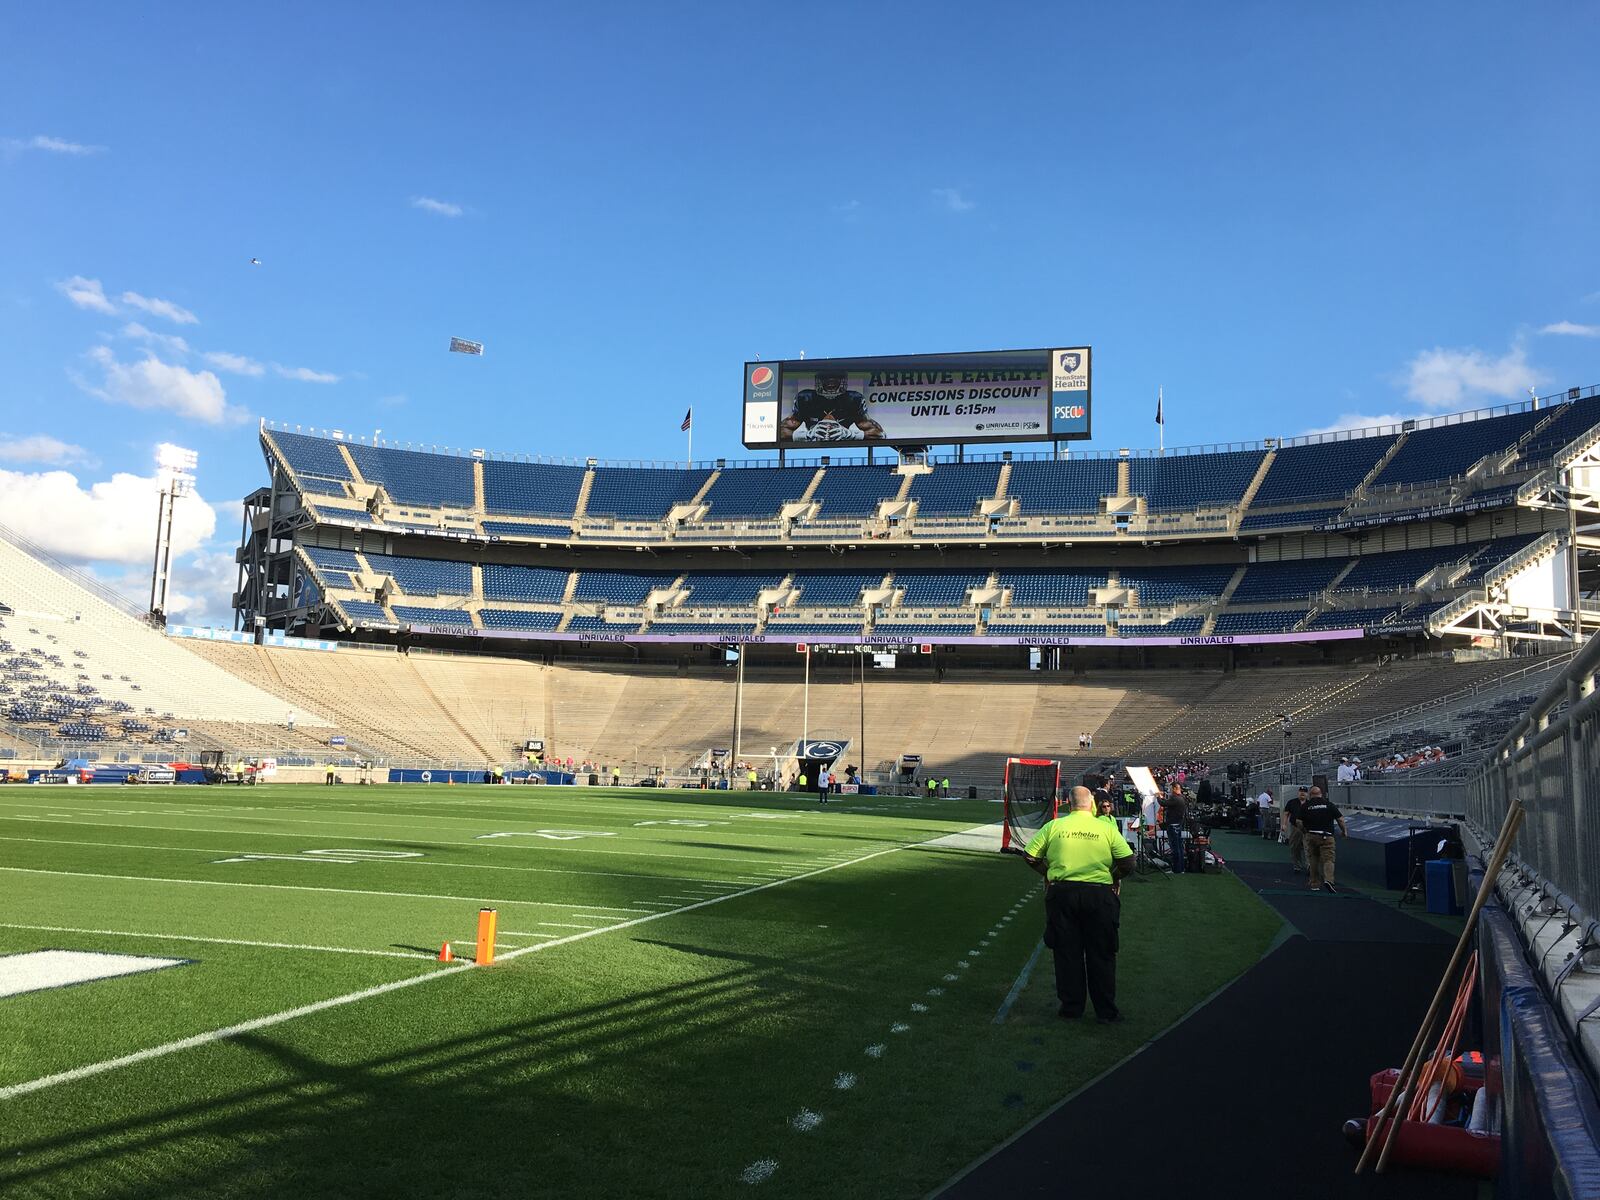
{"x":1083,"y":937}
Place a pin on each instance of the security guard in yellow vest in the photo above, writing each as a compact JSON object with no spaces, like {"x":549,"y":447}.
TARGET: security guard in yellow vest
{"x":1082,"y":858}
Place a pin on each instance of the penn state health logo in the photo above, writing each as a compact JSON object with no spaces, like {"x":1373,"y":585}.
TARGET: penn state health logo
{"x":760,"y":377}
{"x":1071,"y":360}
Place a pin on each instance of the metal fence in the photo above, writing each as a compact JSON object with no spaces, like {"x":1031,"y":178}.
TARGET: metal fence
{"x":1550,"y":760}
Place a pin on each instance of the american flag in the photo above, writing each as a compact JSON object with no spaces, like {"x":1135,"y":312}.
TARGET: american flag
{"x":688,"y":420}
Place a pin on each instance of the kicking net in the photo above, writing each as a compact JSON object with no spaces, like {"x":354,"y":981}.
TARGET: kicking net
{"x":1032,"y":788}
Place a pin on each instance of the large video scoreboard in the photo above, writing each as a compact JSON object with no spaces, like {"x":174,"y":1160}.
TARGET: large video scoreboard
{"x":919,"y":399}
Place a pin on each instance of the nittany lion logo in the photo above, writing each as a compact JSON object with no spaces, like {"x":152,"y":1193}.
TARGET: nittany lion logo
{"x":823,"y":749}
{"x":1071,"y":360}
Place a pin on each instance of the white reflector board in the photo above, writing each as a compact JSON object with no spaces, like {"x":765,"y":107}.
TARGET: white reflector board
{"x":38,"y":970}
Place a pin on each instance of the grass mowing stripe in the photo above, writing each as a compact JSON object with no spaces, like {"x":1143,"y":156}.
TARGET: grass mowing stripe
{"x":300,"y":887}
{"x":185,"y":937}
{"x":231,"y":1031}
{"x":1016,"y":988}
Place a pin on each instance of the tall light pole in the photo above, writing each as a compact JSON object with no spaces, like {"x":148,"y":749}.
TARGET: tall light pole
{"x":175,"y":468}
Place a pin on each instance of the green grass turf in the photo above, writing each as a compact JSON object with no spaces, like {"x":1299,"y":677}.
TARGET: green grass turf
{"x":657,"y":1058}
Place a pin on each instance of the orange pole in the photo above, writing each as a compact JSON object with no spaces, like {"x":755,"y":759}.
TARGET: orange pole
{"x":487,"y":920}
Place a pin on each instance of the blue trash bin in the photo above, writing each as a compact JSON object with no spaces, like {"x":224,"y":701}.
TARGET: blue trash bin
{"x":1440,"y":880}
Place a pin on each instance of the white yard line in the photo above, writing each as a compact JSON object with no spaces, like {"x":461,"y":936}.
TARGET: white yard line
{"x":296,"y":887}
{"x":184,"y":937}
{"x":230,"y":1031}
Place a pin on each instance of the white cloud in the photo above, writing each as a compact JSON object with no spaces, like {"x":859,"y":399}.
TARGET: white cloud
{"x":304,"y":374}
{"x":1572,"y":329}
{"x":170,"y":342}
{"x":109,"y":521}
{"x":160,"y":308}
{"x":201,"y":591}
{"x":953,"y":200}
{"x":1448,"y":379}
{"x":153,"y":384}
{"x":1361,"y":421}
{"x":50,"y":145}
{"x":234,"y":364}
{"x":86,"y":293}
{"x":41,"y":448}
{"x":439,"y":208}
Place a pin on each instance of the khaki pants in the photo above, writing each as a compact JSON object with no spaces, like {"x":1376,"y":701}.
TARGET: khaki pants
{"x":1297,"y":847}
{"x":1319,"y":858}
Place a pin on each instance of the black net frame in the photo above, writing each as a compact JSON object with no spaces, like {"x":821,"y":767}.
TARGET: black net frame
{"x":1032,"y":796}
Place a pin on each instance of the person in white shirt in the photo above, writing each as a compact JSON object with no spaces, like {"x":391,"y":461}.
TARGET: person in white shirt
{"x":823,"y":781}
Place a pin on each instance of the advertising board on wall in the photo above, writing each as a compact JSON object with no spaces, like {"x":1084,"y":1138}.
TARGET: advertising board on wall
{"x":919,"y":399}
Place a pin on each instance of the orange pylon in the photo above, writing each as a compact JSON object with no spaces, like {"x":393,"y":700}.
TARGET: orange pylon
{"x":446,"y":954}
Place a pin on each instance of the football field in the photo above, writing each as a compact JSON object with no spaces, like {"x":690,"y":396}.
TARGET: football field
{"x":236,"y":991}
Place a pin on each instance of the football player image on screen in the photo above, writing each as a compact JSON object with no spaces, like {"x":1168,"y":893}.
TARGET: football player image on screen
{"x":829,"y":412}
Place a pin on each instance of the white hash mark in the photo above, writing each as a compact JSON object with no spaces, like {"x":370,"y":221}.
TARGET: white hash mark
{"x":951,"y":978}
{"x":805,"y":1121}
{"x":936,"y":991}
{"x":899,"y":1027}
{"x":759,"y":1171}
{"x":844,"y":1081}
{"x":919,"y":1008}
{"x":875,"y":1050}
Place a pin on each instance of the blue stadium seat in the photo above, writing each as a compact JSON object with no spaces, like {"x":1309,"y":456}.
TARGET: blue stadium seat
{"x":816,"y":629}
{"x":1567,"y":423}
{"x":537,"y":489}
{"x":705,"y":628}
{"x":1172,"y":585}
{"x":509,"y":582}
{"x":620,"y":587}
{"x":424,"y":576}
{"x":1321,"y":470}
{"x":1350,"y":618}
{"x":601,"y":625}
{"x":1277,"y":621}
{"x":1062,"y":486}
{"x":854,"y":491}
{"x":642,"y":493}
{"x":1185,"y":481}
{"x":1492,"y":553}
{"x":1287,"y":580}
{"x":834,"y":589}
{"x":937,"y":589}
{"x":364,"y":612}
{"x":416,"y":477}
{"x":336,"y":579}
{"x":756,"y":492}
{"x":922,"y":629}
{"x":730,"y":589}
{"x":324,"y":556}
{"x":1398,"y":570}
{"x":1177,"y":627}
{"x":1010,"y":629}
{"x":320,"y":487}
{"x":1299,"y":518}
{"x":1446,"y":451}
{"x":508,"y":618}
{"x":1044,"y":588}
{"x":416,"y":614}
{"x":311,"y":456}
{"x":954,"y":489}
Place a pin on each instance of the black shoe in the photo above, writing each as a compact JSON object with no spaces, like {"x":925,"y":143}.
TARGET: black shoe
{"x":1066,"y":1014}
{"x":1114,"y":1019}
{"x":1330,"y":889}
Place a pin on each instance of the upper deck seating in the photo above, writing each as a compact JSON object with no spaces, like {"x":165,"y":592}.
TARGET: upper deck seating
{"x":1569,"y":422}
{"x":644,"y":493}
{"x":538,"y":489}
{"x":954,"y":489}
{"x":620,"y":587}
{"x":1312,"y":517}
{"x":1062,"y":485}
{"x":416,"y":477}
{"x":1321,"y":470}
{"x":424,"y":576}
{"x":1446,"y":451}
{"x":834,"y":589}
{"x":854,"y":491}
{"x":756,"y":492}
{"x":734,"y":588}
{"x":1398,"y":570}
{"x":311,"y":456}
{"x":1184,"y":481}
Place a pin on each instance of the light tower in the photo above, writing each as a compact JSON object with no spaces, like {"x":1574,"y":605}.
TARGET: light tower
{"x":174,"y":478}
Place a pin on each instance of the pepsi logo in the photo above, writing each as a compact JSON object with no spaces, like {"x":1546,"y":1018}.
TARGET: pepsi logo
{"x":760,"y":377}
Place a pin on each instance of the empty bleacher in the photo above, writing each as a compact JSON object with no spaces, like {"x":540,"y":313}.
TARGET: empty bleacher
{"x":311,"y":457}
{"x":424,"y":576}
{"x":1274,"y":621}
{"x":1566,"y":424}
{"x":1046,"y":588}
{"x":534,"y":584}
{"x":1320,"y":470}
{"x":834,"y":589}
{"x":733,"y":588}
{"x":937,"y":589}
{"x":642,"y":492}
{"x":520,"y":529}
{"x":1177,"y":584}
{"x":1187,"y":481}
{"x":415,"y":476}
{"x":1398,"y":570}
{"x":1287,"y":580}
{"x":1312,"y":517}
{"x":854,"y":491}
{"x":954,"y":489}
{"x":1062,"y":486}
{"x":417,"y":614}
{"x":756,"y":493}
{"x":537,"y":489}
{"x":1445,"y":451}
{"x":620,"y":587}
{"x":511,"y":618}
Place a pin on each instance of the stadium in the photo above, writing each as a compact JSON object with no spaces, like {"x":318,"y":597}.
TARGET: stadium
{"x":1106,"y":701}
{"x":425,"y":622}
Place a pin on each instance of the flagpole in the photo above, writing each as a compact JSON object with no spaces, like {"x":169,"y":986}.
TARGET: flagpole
{"x":1161,"y":425}
{"x":689,"y":462}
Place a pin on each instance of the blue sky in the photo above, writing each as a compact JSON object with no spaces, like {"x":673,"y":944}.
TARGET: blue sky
{"x":1287,"y":218}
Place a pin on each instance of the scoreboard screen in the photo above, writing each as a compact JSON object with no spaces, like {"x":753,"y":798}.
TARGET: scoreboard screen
{"x":919,"y":399}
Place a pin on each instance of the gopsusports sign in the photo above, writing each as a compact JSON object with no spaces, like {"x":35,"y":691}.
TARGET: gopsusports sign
{"x":919,"y":399}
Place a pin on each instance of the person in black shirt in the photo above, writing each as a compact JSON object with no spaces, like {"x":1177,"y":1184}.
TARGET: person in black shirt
{"x":1296,"y":832}
{"x":1176,"y":808}
{"x":1319,"y":818}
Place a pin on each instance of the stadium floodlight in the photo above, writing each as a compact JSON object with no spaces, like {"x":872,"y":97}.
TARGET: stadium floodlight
{"x":175,"y":467}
